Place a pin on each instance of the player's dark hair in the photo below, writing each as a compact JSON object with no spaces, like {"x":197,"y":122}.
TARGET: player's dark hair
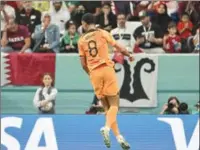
{"x":171,"y":25}
{"x":88,"y":18}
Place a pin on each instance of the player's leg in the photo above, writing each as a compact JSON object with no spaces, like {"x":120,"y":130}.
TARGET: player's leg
{"x":112,"y":117}
{"x":111,"y":91}
{"x":98,"y":83}
{"x":105,"y":104}
{"x":105,"y":131}
{"x":114,"y":125}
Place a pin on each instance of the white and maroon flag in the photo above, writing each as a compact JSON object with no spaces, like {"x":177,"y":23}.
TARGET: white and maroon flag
{"x":26,"y":69}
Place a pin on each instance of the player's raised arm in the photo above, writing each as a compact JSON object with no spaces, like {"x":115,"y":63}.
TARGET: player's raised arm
{"x":122,"y":50}
{"x":116,"y":45}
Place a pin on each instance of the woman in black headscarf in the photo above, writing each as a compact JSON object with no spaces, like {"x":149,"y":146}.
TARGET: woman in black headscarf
{"x":161,"y":17}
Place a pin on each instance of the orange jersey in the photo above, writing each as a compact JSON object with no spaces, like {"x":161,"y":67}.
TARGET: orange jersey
{"x":94,"y":46}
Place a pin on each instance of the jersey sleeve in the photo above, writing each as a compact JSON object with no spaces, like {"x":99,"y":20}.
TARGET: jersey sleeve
{"x":109,"y":38}
{"x":80,"y":49}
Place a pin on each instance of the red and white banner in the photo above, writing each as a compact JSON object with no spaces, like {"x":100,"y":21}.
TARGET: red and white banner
{"x":4,"y":70}
{"x":26,"y":69}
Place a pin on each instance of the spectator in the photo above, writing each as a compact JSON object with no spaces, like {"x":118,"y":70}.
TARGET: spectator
{"x":135,"y":8}
{"x":193,"y":9}
{"x":45,"y":96}
{"x":7,"y":12}
{"x":41,"y":6}
{"x":197,"y":106}
{"x":196,"y":41}
{"x":185,"y":26}
{"x":172,"y":8}
{"x":183,"y":108}
{"x":148,"y":36}
{"x":122,"y":7}
{"x":46,"y":36}
{"x":72,"y":3}
{"x":93,"y":7}
{"x":28,"y":16}
{"x":106,"y":20}
{"x":70,"y":39}
{"x":15,"y":38}
{"x":161,"y":17}
{"x":172,"y":42}
{"x":19,"y":7}
{"x":76,"y":13}
{"x":172,"y":107}
{"x":122,"y":34}
{"x":60,"y":15}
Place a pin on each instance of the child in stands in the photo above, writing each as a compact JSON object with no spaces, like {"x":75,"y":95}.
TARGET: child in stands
{"x":172,"y":41}
{"x":185,"y":26}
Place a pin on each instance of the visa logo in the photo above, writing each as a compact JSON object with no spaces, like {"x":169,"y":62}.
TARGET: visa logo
{"x":178,"y":133}
{"x":43,"y":126}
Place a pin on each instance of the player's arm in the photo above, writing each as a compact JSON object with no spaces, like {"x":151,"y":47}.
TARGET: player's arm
{"x":83,"y":58}
{"x":116,"y":45}
{"x":121,"y":49}
{"x":84,"y":64}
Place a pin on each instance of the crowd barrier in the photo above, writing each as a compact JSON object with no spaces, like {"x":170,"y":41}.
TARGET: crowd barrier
{"x":81,"y":132}
{"x":147,"y":82}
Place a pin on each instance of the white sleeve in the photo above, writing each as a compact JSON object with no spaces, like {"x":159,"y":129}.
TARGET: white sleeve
{"x":51,"y":96}
{"x":36,"y":100}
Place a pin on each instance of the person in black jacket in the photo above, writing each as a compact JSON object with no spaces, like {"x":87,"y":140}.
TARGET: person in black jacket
{"x":148,"y":36}
{"x":106,"y":20}
{"x":162,"y":18}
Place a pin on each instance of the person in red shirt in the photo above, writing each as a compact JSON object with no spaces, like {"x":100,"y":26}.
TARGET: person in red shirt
{"x":172,"y":41}
{"x":185,"y":26}
{"x":16,"y":38}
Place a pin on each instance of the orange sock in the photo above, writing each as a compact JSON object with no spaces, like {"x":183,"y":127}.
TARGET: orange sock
{"x":115,"y":129}
{"x":111,"y":116}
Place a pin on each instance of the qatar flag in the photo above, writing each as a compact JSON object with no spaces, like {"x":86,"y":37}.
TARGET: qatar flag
{"x":26,"y":69}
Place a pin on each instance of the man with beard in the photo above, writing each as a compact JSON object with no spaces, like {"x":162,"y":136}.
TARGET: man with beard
{"x":148,"y":36}
{"x":28,"y":16}
{"x":60,"y":15}
{"x":122,"y":34}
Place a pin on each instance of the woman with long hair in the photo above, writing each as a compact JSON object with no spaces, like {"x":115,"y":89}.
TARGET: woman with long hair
{"x":44,"y":99}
